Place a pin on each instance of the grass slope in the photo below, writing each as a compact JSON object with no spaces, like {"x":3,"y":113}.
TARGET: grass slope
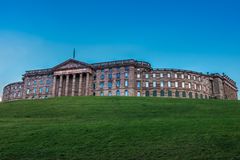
{"x":119,"y":128}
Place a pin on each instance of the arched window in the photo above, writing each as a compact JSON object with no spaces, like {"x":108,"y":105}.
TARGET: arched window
{"x":147,"y":94}
{"x":94,"y":93}
{"x":201,"y":96}
{"x":118,"y":93}
{"x":101,"y":93}
{"x":169,"y":93}
{"x":206,"y":97}
{"x":184,"y":94}
{"x":109,"y":93}
{"x":190,"y":95}
{"x":126,"y":92}
{"x":162,"y":93}
{"x":196,"y":95}
{"x":177,"y":94}
{"x":154,"y":93}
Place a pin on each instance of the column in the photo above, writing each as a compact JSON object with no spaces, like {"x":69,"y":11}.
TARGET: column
{"x":67,"y":81}
{"x":80,"y":85}
{"x":60,"y":86}
{"x":54,"y":86}
{"x":73,"y":84}
{"x":87,"y":79}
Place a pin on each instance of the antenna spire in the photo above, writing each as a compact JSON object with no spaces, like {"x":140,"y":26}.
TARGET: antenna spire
{"x":74,"y":53}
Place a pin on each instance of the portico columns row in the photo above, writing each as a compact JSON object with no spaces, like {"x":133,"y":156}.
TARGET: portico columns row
{"x":71,"y":85}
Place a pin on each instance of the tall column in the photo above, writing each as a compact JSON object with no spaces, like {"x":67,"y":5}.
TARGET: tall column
{"x":54,"y":86}
{"x":60,"y":86}
{"x":87,"y":79}
{"x":80,"y":85}
{"x":67,"y":81}
{"x":73,"y":84}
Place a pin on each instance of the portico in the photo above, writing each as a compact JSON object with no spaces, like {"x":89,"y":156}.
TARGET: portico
{"x":71,"y":79}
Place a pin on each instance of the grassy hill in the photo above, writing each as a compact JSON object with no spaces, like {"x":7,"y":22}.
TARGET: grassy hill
{"x":119,"y":128}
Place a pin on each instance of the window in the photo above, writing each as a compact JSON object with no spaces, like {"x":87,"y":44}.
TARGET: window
{"x":47,"y":90}
{"x":41,"y":82}
{"x":109,"y":93}
{"x":138,"y":94}
{"x":126,"y":75}
{"x":101,"y":93}
{"x":169,"y":84}
{"x":29,"y":83}
{"x":138,"y":84}
{"x":154,"y":75}
{"x":147,"y":76}
{"x":155,"y":93}
{"x":190,"y":95}
{"x":177,"y":94}
{"x":28,"y":91}
{"x":182,"y":76}
{"x":109,"y":76}
{"x":35,"y":90}
{"x":147,"y":94}
{"x":35,"y":83}
{"x":189,"y":77}
{"x":161,"y":75}
{"x":126,"y":68}
{"x":102,"y":70}
{"x":118,"y":75}
{"x":109,"y":84}
{"x":199,"y":79}
{"x":94,"y":77}
{"x":102,"y":76}
{"x":169,"y":75}
{"x":162,"y":93}
{"x":94,"y":85}
{"x":200,"y":87}
{"x":118,"y":83}
{"x":175,"y":76}
{"x":48,"y":81}
{"x":40,"y":90}
{"x":154,"y":84}
{"x":183,"y":84}
{"x":195,"y":86}
{"x":189,"y":86}
{"x":194,"y":78}
{"x":138,"y":75}
{"x":184,"y":94}
{"x":126,"y":83}
{"x":101,"y":84}
{"x":201,"y":96}
{"x":161,"y":84}
{"x":196,"y":95}
{"x":110,"y":70}
{"x":147,"y":84}
{"x":176,"y":84}
{"x":126,"y":92}
{"x":118,"y":68}
{"x":118,"y":93}
{"x":169,"y":93}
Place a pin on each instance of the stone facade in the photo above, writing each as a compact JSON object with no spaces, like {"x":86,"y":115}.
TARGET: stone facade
{"x":119,"y":78}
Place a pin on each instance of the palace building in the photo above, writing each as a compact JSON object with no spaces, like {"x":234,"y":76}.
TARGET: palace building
{"x":119,"y":78}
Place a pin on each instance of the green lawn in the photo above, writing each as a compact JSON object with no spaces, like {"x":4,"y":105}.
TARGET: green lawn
{"x":119,"y":128}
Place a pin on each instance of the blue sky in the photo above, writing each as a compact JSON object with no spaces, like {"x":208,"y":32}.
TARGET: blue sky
{"x":200,"y":35}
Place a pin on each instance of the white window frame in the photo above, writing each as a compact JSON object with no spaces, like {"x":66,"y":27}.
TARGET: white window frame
{"x":169,"y":84}
{"x":147,"y":84}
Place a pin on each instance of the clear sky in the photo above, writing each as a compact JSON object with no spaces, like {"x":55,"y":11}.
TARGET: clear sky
{"x":199,"y":35}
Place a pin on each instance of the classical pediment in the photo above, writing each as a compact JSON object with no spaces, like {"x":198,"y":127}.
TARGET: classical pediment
{"x":71,"y":64}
